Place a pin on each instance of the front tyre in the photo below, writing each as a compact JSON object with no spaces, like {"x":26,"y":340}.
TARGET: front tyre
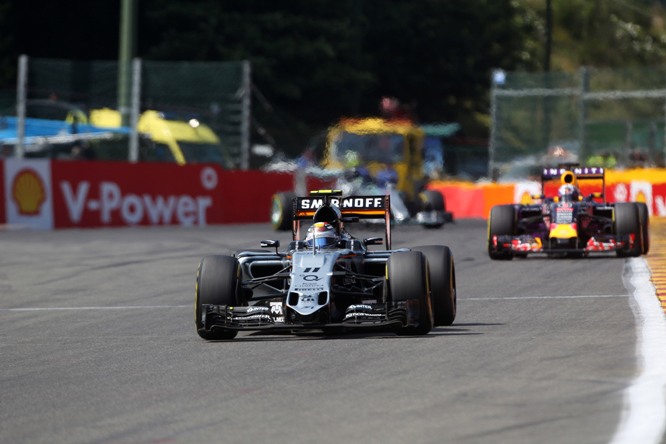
{"x":282,"y":211}
{"x":442,"y":282}
{"x":217,"y":284}
{"x":502,"y":222}
{"x":644,"y":218}
{"x":627,"y":223}
{"x":408,"y":283}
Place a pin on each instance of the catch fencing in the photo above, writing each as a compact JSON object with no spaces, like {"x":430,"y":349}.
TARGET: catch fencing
{"x":218,"y":94}
{"x":608,"y":117}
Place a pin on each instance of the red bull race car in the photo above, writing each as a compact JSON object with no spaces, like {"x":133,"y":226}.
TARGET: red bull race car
{"x":569,"y":223}
{"x":328,"y":280}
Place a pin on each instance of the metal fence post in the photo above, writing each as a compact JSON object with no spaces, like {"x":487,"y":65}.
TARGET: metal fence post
{"x":127,"y":48}
{"x":245,"y":116}
{"x":134,"y":111}
{"x":498,"y":78}
{"x":20,"y":104}
{"x":582,"y":117}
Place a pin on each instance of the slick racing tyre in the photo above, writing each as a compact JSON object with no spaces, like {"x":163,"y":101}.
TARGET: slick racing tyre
{"x":282,"y":211}
{"x":407,"y":281}
{"x":217,"y":284}
{"x":644,"y":218}
{"x":502,"y":222}
{"x":442,"y":282}
{"x":432,"y":200}
{"x":627,"y":222}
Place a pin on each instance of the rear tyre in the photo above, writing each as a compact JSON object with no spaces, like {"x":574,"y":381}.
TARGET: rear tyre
{"x":217,"y":284}
{"x":432,"y":200}
{"x":644,"y":218}
{"x":408,"y":282}
{"x":627,"y":222}
{"x":502,"y":222}
{"x":282,"y":211}
{"x":442,"y":274}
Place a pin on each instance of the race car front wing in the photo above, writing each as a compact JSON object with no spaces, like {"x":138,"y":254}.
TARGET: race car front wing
{"x":529,"y":244}
{"x":259,"y":317}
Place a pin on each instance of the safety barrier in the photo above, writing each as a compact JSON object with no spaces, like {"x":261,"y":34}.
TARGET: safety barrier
{"x":48,"y":194}
{"x":467,"y":200}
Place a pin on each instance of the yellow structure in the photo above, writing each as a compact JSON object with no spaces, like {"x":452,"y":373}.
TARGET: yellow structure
{"x":181,"y":141}
{"x":377,"y":143}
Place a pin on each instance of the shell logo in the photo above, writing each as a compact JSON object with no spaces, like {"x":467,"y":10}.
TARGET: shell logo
{"x":28,"y":192}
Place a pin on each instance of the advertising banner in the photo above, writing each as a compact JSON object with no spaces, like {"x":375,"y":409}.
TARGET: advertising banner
{"x":28,"y":201}
{"x":45,"y":194}
{"x":92,"y":194}
{"x":465,"y":200}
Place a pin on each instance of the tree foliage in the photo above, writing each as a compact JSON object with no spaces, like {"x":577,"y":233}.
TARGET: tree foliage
{"x":317,"y":60}
{"x":320,"y":60}
{"x":602,"y":33}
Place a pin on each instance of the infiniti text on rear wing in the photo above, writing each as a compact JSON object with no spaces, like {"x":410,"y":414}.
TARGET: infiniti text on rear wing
{"x":581,"y":173}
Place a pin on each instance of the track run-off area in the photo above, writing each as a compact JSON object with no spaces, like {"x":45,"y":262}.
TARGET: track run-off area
{"x":98,"y":345}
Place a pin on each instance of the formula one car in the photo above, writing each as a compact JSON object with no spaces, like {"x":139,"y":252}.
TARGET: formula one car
{"x":331,"y":281}
{"x":429,"y":210}
{"x":569,"y":224}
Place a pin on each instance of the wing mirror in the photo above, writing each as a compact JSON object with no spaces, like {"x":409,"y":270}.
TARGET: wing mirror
{"x":271,"y":244}
{"x":373,"y":241}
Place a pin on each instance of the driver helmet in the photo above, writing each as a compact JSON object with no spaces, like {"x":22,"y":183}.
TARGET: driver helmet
{"x":352,"y":159}
{"x":330,"y":214}
{"x":568,"y":193}
{"x":322,"y":235}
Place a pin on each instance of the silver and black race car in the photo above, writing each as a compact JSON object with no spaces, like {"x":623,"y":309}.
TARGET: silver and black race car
{"x":427,"y":210}
{"x":336,"y":288}
{"x":571,"y":223}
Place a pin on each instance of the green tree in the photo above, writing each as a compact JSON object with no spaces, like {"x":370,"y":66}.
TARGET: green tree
{"x":441,"y":53}
{"x":304,"y":54}
{"x":601,"y":33}
{"x":319,"y":60}
{"x":8,"y":59}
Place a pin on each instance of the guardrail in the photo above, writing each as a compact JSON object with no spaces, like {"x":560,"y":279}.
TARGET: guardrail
{"x":467,"y":200}
{"x":48,"y":194}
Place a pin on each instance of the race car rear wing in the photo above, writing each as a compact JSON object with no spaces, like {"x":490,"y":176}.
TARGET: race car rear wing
{"x":579,"y":172}
{"x":351,"y":208}
{"x":573,"y":174}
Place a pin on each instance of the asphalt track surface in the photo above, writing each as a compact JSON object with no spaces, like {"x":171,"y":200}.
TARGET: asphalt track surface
{"x":97,"y":345}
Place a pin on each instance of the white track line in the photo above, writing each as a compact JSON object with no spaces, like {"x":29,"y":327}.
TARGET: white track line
{"x":519,"y":298}
{"x":125,"y":307}
{"x":644,"y":412}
